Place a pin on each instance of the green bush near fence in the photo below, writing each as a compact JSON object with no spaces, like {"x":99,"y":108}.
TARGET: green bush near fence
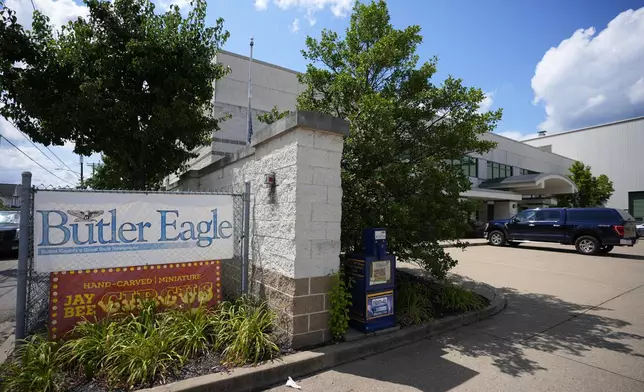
{"x":131,"y":351}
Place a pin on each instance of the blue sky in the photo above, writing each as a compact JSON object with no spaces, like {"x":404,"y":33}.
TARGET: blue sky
{"x":494,"y":44}
{"x":554,"y":65}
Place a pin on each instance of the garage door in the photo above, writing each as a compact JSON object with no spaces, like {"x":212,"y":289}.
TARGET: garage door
{"x":636,"y":204}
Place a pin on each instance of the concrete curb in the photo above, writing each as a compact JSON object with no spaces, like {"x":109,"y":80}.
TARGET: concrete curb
{"x":309,"y":362}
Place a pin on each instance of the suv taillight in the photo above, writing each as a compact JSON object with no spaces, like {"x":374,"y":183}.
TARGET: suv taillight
{"x":619,"y":230}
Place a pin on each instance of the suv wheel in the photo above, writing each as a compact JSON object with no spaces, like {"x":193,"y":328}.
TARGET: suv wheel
{"x":496,"y":238}
{"x":587,"y":245}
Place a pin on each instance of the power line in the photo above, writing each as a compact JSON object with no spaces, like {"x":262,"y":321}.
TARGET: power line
{"x":61,"y":161}
{"x":44,"y":168}
{"x":43,"y":153}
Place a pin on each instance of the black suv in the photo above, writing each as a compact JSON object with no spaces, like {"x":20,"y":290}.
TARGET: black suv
{"x":591,"y":230}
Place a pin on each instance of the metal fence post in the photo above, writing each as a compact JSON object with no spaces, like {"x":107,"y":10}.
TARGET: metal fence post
{"x":246,"y":237}
{"x":23,"y":256}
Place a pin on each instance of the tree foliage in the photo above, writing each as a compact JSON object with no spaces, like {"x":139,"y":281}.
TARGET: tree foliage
{"x":405,"y":132}
{"x":273,"y":115}
{"x":592,"y":191}
{"x":127,"y":82}
{"x":108,"y":175}
{"x":3,"y":207}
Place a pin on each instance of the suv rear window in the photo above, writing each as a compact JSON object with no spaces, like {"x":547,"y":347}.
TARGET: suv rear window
{"x":592,"y":215}
{"x":625,"y":215}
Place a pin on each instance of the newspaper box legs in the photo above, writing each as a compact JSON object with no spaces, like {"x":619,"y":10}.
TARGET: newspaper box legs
{"x":373,"y":287}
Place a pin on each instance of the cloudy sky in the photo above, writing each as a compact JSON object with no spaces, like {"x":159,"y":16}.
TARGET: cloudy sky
{"x":551,"y":65}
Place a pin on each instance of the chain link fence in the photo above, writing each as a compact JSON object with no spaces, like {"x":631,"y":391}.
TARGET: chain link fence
{"x":37,"y":283}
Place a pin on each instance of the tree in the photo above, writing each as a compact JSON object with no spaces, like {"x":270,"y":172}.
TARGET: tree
{"x":405,"y":133}
{"x":273,"y":115}
{"x":107,"y":175}
{"x":591,"y":191}
{"x":126,"y":82}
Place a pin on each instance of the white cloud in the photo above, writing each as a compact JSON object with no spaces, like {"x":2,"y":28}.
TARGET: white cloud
{"x":261,"y":5}
{"x":636,"y":92}
{"x":62,"y":11}
{"x":182,"y":4}
{"x":516,"y":135}
{"x":487,"y":102}
{"x":311,"y":18}
{"x":295,"y":26}
{"x":339,"y":8}
{"x":593,"y":78}
{"x":15,"y":162}
{"x":9,"y":131}
{"x":59,"y":11}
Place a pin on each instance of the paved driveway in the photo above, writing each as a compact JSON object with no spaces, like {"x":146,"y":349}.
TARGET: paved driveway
{"x":573,"y":323}
{"x":8,"y":272}
{"x":8,"y":275}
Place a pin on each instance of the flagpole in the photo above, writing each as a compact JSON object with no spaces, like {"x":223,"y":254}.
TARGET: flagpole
{"x":249,"y":125}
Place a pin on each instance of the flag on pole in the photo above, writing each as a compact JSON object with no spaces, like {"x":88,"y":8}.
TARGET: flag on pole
{"x":250,"y":115}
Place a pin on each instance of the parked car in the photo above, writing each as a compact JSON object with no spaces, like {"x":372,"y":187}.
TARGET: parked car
{"x":591,"y":230}
{"x":9,"y":229}
{"x":640,"y":229}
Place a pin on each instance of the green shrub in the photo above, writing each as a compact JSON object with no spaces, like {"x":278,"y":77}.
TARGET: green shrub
{"x":244,"y":332}
{"x":192,"y":332}
{"x":413,"y":303}
{"x":37,"y":367}
{"x":89,"y":346}
{"x":138,"y":349}
{"x":141,"y":354}
{"x":456,"y":299}
{"x":340,"y":299}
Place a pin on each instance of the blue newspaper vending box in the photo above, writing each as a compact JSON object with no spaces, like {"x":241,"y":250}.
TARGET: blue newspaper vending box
{"x":373,"y":275}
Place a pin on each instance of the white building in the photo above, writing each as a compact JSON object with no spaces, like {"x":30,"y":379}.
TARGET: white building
{"x":615,"y":149}
{"x":272,"y":85}
{"x":511,"y":176}
{"x":10,"y":195}
{"x":515,"y":175}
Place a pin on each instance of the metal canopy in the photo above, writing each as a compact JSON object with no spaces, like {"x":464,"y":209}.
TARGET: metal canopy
{"x":533,"y":184}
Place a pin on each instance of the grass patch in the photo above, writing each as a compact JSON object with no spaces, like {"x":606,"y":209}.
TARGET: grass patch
{"x":130,"y":351}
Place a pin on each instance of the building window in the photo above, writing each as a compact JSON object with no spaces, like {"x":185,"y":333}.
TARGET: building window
{"x":498,"y":170}
{"x":469,"y":165}
{"x":523,"y":172}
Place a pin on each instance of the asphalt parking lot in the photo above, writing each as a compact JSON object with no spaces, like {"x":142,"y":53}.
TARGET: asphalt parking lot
{"x":8,"y":265}
{"x":573,"y":323}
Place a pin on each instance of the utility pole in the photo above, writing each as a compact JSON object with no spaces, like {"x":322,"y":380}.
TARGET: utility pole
{"x":93,"y":166}
{"x":81,"y":171}
{"x":249,"y":125}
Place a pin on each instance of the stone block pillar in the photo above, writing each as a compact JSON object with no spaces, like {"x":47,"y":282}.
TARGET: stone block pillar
{"x":295,"y":225}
